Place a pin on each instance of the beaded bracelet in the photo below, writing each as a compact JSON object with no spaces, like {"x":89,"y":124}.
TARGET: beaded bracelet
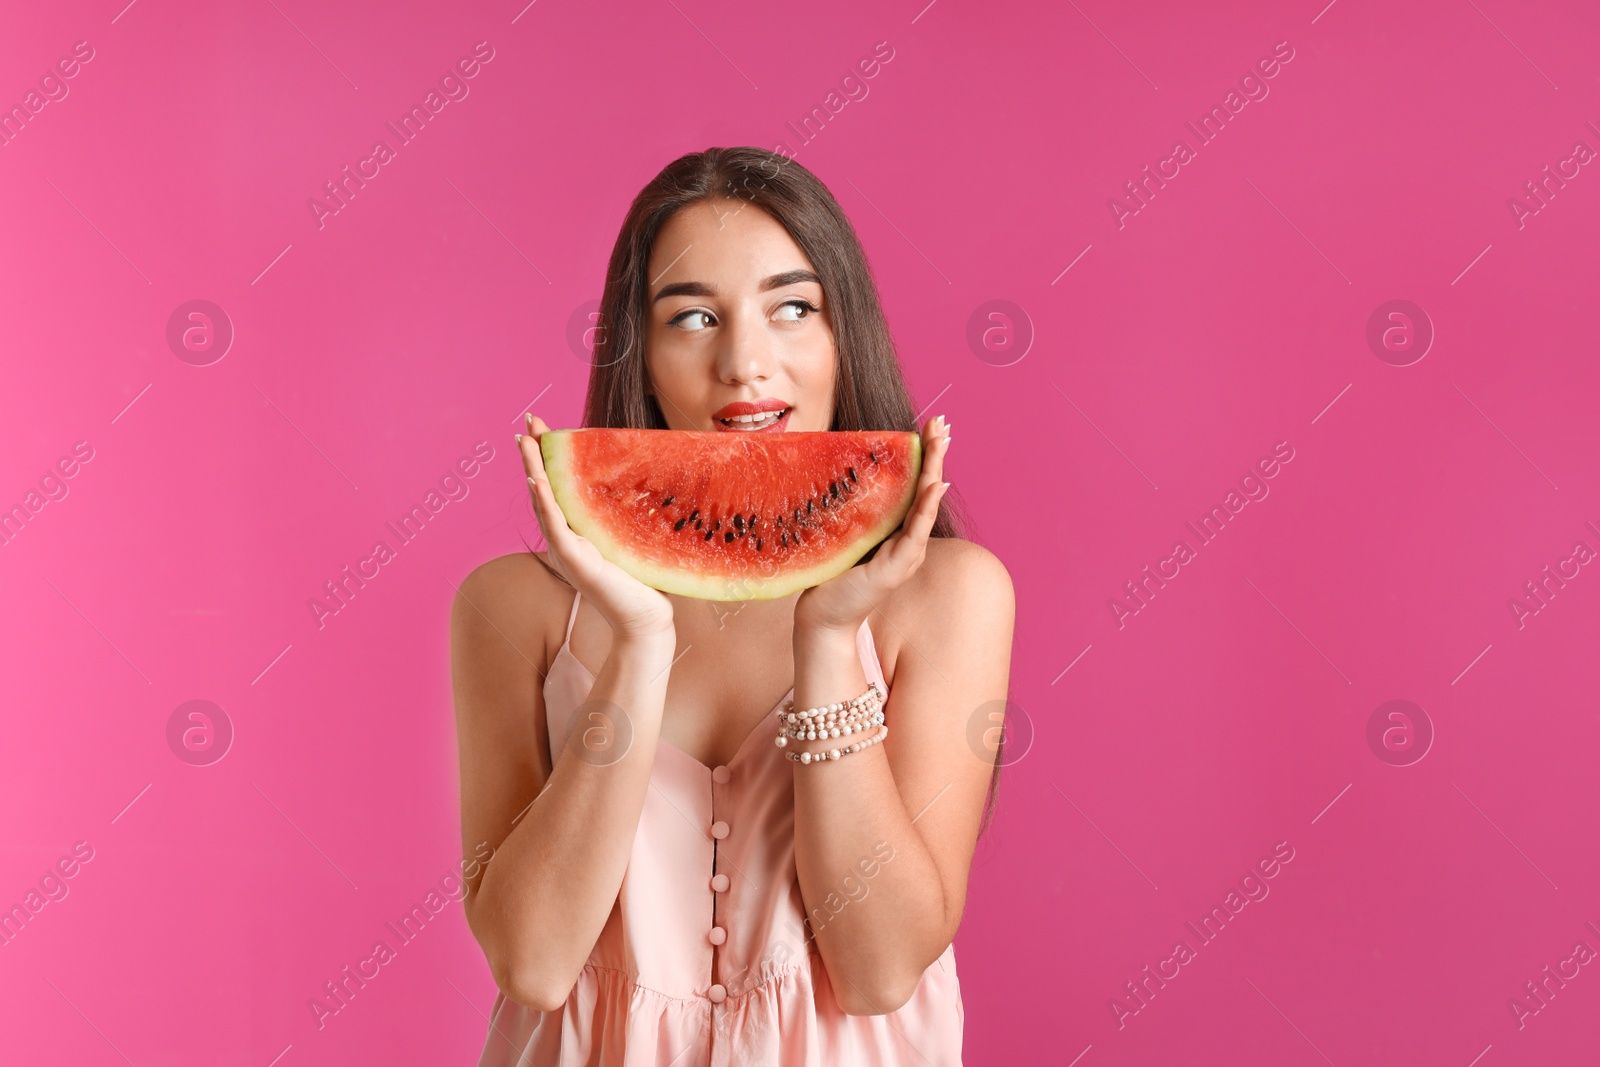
{"x":839,"y":753}
{"x":841,"y":728}
{"x":831,"y":711}
{"x":833,"y":720}
{"x":845,"y":723}
{"x":830,"y":720}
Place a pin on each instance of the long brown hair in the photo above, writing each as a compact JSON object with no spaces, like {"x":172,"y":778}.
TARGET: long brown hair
{"x":870,"y":389}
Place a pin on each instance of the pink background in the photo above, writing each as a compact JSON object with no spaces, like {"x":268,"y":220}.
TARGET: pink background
{"x":1229,"y":314}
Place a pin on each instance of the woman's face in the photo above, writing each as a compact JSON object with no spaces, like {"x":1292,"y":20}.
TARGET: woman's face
{"x":740,"y":337}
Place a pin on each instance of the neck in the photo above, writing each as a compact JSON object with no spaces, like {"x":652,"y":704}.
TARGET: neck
{"x":710,"y":618}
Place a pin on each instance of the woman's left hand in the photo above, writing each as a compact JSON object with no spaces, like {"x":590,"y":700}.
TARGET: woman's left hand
{"x":843,"y":603}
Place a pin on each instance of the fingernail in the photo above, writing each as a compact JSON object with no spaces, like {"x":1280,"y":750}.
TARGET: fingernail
{"x":519,"y":438}
{"x":529,"y":419}
{"x":531,"y":481}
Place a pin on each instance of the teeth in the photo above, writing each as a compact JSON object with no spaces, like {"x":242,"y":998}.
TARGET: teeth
{"x":763,"y":418}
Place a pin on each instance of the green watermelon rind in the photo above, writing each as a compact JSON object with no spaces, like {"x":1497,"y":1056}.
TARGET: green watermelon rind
{"x":557,"y":454}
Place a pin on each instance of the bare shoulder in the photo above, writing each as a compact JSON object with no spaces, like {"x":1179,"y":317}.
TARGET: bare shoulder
{"x":514,"y":601}
{"x":505,"y":615}
{"x":961,"y":601}
{"x":958,"y":575}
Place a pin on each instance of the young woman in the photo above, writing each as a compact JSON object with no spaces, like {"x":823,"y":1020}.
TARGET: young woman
{"x":666,"y":887}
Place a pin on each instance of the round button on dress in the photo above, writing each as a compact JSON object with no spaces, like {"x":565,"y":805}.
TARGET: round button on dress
{"x":720,"y":775}
{"x":719,"y":829}
{"x":656,"y":990}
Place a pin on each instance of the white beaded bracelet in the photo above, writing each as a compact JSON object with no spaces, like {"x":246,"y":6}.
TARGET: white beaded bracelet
{"x":839,"y":753}
{"x":832,"y":721}
{"x":831,"y":710}
{"x":834,"y":727}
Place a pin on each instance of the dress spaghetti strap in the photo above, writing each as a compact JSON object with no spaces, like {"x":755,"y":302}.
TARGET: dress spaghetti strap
{"x":572,"y":618}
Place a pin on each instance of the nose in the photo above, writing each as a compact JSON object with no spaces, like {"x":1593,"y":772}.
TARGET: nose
{"x":745,"y":355}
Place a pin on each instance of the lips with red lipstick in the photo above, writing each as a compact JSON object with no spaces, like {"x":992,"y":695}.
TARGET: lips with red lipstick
{"x":752,"y":416}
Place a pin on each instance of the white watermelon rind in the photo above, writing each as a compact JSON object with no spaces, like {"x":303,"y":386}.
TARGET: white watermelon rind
{"x":556,"y":449}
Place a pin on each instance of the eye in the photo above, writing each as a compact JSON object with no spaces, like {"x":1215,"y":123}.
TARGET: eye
{"x":799,"y":304}
{"x":683,"y":317}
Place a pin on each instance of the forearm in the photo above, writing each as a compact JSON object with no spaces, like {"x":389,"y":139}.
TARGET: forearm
{"x":879,"y":924}
{"x":551,"y":885}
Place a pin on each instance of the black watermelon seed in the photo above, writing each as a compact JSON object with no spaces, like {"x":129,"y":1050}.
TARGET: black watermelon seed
{"x":727,"y":536}
{"x":779,"y":520}
{"x":717,"y":525}
{"x":809,"y":503}
{"x":738,"y":522}
{"x":693,"y":516}
{"x":874,"y":456}
{"x":698,"y":523}
{"x":668,"y":501}
{"x":785,"y":540}
{"x":679,"y":524}
{"x":758,"y":544}
{"x":852,"y":472}
{"x":710,"y":534}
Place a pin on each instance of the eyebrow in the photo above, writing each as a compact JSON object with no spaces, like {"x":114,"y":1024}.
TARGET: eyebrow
{"x":777,"y":281}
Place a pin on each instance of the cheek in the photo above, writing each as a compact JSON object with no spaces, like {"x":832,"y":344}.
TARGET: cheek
{"x":678,"y":377}
{"x":817,"y":373}
{"x":807,"y":381}
{"x":663,"y":362}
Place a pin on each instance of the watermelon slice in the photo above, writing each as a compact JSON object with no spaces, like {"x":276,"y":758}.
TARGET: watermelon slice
{"x":732,"y":516}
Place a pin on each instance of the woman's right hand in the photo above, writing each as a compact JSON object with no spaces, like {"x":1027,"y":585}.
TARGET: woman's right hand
{"x":632,"y":608}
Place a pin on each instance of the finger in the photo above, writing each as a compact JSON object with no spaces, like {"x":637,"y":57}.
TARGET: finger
{"x":551,"y":518}
{"x":933,"y":460}
{"x":920,"y":523}
{"x":902,"y":552}
{"x":552,"y":521}
{"x":534,"y":498}
{"x":911,"y":543}
{"x":532,"y":457}
{"x":935,"y":442}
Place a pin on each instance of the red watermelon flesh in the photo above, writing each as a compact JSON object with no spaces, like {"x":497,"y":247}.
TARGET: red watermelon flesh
{"x":733,"y":516}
